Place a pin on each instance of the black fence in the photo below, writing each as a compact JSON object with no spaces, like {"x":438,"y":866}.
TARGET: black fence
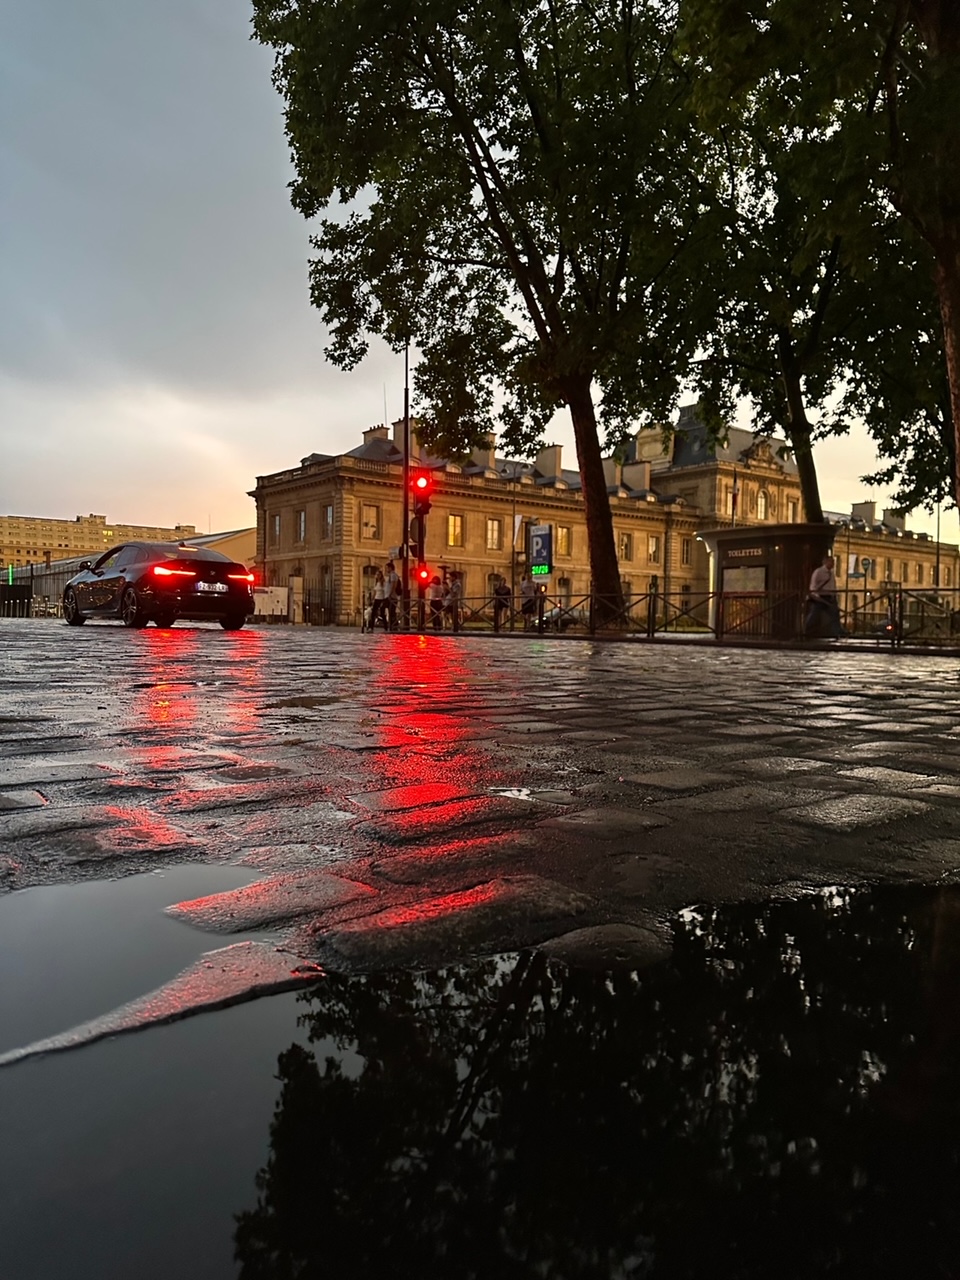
{"x":892,"y":617}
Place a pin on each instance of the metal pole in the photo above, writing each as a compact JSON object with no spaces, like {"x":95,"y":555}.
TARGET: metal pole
{"x":405,"y":544}
{"x":513,"y":547}
{"x":936,"y":568}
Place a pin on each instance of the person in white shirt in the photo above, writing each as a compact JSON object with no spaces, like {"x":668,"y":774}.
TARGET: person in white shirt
{"x":391,"y":595}
{"x":823,"y":606}
{"x":376,"y":603}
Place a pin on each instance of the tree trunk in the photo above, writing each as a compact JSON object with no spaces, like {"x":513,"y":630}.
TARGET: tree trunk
{"x":604,"y":570}
{"x":948,"y":292}
{"x":799,"y":430}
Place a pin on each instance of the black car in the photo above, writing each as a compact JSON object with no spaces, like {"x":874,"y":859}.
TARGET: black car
{"x":159,"y":582}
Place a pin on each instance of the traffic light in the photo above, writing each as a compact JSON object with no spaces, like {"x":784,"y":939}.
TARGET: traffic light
{"x":423,"y":576}
{"x":422,"y":487}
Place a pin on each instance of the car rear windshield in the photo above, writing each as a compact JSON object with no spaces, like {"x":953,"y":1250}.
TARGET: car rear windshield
{"x":170,"y":551}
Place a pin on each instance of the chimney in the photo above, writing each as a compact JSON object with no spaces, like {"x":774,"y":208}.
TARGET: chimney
{"x":548,"y":461}
{"x":612,"y":473}
{"x":483,"y":455}
{"x":379,"y":432}
{"x":865,"y":511}
{"x":636,"y":475}
{"x":895,"y":520}
{"x":415,"y":450}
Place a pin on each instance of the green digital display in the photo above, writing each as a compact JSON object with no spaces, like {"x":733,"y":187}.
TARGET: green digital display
{"x":540,"y":570}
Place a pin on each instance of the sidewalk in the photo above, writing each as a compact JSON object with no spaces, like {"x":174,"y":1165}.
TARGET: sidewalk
{"x":414,"y":800}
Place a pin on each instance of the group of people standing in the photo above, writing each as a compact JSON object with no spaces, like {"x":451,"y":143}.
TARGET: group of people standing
{"x":444,"y":597}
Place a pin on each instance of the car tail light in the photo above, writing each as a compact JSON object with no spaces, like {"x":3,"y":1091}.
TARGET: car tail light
{"x":164,"y":571}
{"x":240,"y":577}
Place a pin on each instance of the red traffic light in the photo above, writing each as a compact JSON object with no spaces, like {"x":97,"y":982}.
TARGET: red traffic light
{"x":421,"y":486}
{"x":423,"y":574}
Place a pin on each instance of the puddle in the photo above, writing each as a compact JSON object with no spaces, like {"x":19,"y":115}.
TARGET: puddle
{"x":780,"y":1097}
{"x":72,"y":952}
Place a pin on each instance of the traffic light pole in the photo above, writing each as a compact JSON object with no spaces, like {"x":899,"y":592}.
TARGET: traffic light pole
{"x":405,"y":539}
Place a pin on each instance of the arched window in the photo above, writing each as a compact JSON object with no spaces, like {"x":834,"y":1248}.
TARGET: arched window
{"x":763,"y":505}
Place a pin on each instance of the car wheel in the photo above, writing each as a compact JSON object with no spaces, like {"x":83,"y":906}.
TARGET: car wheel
{"x":71,"y":610}
{"x":131,"y":610}
{"x":165,"y":620}
{"x":234,"y":622}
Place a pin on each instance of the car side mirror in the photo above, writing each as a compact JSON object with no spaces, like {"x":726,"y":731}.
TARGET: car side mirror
{"x":84,"y":564}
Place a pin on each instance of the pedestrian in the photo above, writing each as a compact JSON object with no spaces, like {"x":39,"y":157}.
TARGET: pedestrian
{"x":528,"y":600}
{"x":391,"y":595}
{"x":823,"y":607}
{"x":376,"y":602}
{"x":451,"y":601}
{"x":435,"y":599}
{"x":502,"y":600}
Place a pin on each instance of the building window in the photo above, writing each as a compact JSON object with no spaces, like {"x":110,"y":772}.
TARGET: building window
{"x":494,"y":534}
{"x":370,"y":522}
{"x":919,"y":575}
{"x":888,"y":570}
{"x":326,"y":522}
{"x":300,"y":524}
{"x":275,"y":530}
{"x":625,"y":546}
{"x":653,"y":549}
{"x":564,"y":540}
{"x":454,"y":531}
{"x":873,"y":568}
{"x":946,"y":577}
{"x":685,"y":551}
{"x":565,"y":591}
{"x":904,"y":579}
{"x":763,"y":505}
{"x":793,"y":511}
{"x":728,"y":501}
{"x":626,"y":586}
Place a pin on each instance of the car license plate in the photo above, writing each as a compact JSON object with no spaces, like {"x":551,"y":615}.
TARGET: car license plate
{"x":218,"y":587}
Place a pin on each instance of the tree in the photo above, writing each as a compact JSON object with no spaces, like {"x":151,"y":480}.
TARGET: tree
{"x":504,"y":182}
{"x":806,"y":230}
{"x":884,"y":79}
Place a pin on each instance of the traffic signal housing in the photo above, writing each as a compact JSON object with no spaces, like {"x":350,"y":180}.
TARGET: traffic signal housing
{"x":422,"y":488}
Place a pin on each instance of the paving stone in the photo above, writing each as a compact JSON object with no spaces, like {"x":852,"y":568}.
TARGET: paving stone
{"x":609,"y":946}
{"x":892,"y":779}
{"x":266,"y":901}
{"x":782,"y":764}
{"x":411,"y":797}
{"x":678,"y":779}
{"x":441,"y":929}
{"x":744,"y":798}
{"x":614,"y":821}
{"x":10,"y":800}
{"x":854,"y":811}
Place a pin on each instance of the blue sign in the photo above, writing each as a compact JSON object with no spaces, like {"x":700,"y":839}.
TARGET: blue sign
{"x":541,"y":550}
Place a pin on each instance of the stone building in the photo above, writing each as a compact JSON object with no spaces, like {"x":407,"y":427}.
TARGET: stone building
{"x":326,"y":525}
{"x":36,"y":539}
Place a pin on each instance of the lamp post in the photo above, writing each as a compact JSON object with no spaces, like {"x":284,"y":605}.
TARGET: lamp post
{"x":936,"y":564}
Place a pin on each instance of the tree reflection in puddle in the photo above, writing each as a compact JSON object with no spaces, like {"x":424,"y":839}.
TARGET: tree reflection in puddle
{"x":780,"y":1099}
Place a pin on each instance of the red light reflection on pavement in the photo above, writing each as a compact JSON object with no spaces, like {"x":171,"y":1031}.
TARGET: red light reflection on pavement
{"x":185,"y":703}
{"x":434,"y":908}
{"x":140,"y":829}
{"x":429,"y":699}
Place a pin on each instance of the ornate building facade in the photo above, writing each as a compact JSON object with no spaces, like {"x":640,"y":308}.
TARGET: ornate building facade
{"x":326,"y":525}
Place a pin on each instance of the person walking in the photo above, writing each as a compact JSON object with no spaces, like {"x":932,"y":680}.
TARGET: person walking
{"x":391,"y":595}
{"x":435,"y":600}
{"x":451,"y":601}
{"x":528,"y":600}
{"x":376,"y":602}
{"x":823,"y":607}
{"x":502,"y":600}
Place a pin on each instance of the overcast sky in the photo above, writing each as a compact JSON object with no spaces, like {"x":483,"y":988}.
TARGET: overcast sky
{"x":157,"y":347}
